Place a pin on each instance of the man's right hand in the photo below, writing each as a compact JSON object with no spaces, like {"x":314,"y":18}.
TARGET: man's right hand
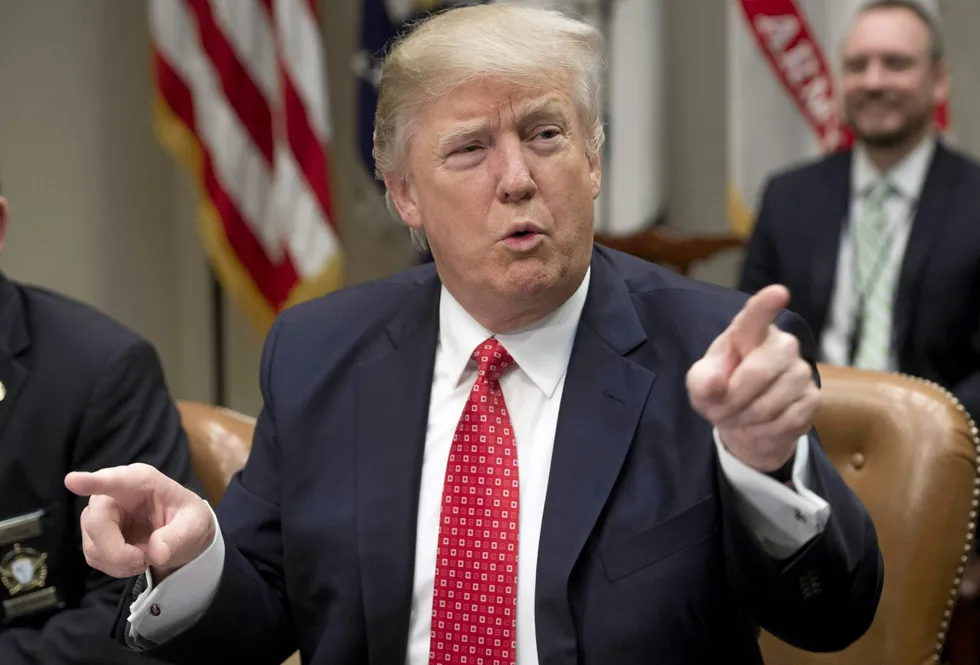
{"x":138,"y":517}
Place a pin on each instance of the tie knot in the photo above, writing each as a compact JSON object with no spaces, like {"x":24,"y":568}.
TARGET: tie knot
{"x":492,"y":359}
{"x":879,"y":191}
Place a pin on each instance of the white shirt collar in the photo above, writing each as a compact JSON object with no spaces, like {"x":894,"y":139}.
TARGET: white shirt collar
{"x":541,"y":350}
{"x":907,"y":176}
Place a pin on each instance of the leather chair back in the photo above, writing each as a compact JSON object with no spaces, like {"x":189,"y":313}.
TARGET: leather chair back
{"x":220,"y":440}
{"x":909,"y":450}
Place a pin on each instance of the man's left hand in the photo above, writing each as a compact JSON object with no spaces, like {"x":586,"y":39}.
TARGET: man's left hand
{"x":754,"y":387}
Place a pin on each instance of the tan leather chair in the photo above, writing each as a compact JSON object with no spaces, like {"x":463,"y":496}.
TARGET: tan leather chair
{"x":220,"y":440}
{"x":910,"y":452}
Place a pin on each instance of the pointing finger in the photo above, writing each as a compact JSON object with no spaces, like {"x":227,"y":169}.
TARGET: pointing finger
{"x":120,"y":482}
{"x":750,"y":326}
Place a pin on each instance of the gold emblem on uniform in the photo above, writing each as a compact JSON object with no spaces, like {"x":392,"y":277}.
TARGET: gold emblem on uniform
{"x":23,"y":569}
{"x":3,"y":391}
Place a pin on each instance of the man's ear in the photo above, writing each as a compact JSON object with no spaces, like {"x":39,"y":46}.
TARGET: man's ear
{"x":403,"y":195}
{"x":940,"y":93}
{"x":595,"y":174}
{"x":3,"y":222}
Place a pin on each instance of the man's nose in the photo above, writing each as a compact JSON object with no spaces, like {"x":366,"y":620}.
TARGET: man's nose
{"x":874,"y":76}
{"x":516,"y":182}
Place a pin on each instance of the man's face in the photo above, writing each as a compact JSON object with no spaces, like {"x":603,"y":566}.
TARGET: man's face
{"x":891,"y":83}
{"x":499,"y":178}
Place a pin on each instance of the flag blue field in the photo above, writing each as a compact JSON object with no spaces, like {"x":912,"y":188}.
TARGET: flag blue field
{"x":381,"y":22}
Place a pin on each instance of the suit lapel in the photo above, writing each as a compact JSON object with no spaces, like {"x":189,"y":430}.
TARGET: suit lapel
{"x":392,"y":411}
{"x":830,"y":209}
{"x":930,"y":216}
{"x":604,"y":395}
{"x":14,"y":342}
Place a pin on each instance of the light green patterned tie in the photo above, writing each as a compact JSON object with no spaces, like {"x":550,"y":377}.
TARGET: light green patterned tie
{"x":874,"y":279}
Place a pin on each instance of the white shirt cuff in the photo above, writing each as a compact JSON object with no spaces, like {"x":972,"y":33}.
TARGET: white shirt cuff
{"x":164,"y":611}
{"x":783,"y":519}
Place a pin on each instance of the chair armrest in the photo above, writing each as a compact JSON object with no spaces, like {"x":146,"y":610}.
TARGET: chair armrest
{"x":660,"y":245}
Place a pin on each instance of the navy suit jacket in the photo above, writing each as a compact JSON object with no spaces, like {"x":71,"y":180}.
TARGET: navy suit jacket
{"x":643,"y":556}
{"x":80,"y":393}
{"x":937,"y":311}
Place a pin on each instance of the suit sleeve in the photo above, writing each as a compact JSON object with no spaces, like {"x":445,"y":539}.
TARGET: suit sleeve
{"x":968,"y":390}
{"x":825,"y":596}
{"x":130,"y":418}
{"x":248,"y":619}
{"x":760,"y":267}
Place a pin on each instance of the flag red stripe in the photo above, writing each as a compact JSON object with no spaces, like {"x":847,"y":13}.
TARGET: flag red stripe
{"x":273,"y":281}
{"x":812,"y":87}
{"x":309,"y":153}
{"x":241,"y":91}
{"x":174,"y":91}
{"x":314,"y":12}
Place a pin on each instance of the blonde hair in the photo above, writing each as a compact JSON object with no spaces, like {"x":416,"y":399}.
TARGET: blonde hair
{"x":520,"y":45}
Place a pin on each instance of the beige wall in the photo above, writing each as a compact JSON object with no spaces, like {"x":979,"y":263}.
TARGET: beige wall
{"x":100,"y":212}
{"x":695,"y":31}
{"x":89,"y":192}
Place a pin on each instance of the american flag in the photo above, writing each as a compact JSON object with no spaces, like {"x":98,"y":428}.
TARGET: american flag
{"x":241,"y":99}
{"x":381,"y":22}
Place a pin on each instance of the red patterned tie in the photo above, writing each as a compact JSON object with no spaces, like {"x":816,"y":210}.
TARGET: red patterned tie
{"x":474,"y":605}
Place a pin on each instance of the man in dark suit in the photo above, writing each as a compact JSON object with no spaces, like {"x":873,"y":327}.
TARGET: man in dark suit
{"x":880,"y":245}
{"x":532,"y":450}
{"x":77,"y":392}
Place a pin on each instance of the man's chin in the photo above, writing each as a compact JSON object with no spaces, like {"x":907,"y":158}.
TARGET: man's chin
{"x":885,"y":139}
{"x":531,"y":278}
{"x":889,"y":138}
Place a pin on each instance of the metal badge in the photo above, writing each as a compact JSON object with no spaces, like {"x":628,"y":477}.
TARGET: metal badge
{"x":23,"y":569}
{"x":21,"y":528}
{"x":32,"y":603}
{"x":3,"y":391}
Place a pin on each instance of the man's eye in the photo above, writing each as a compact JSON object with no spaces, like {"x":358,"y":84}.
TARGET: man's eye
{"x":898,"y":62}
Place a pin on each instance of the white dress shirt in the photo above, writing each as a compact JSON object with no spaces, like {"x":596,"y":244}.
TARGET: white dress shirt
{"x":907,"y":178}
{"x":532,"y":391}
